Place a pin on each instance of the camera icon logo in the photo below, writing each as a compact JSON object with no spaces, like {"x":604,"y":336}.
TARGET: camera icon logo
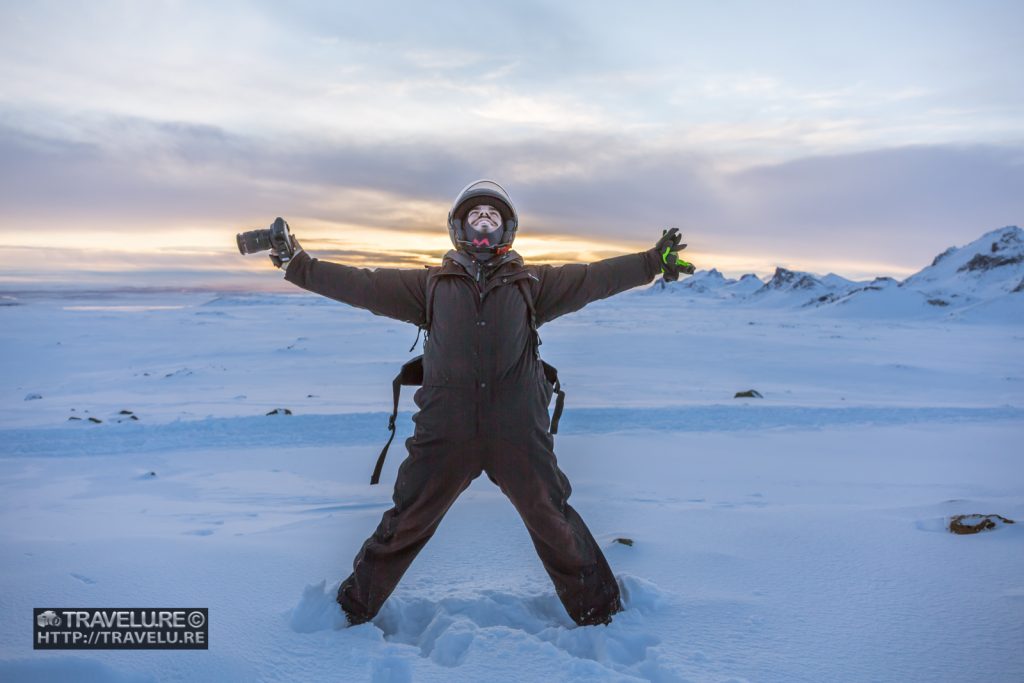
{"x":48,"y":618}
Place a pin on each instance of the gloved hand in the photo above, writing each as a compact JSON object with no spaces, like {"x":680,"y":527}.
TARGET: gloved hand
{"x":283,"y":245}
{"x":668,"y":247}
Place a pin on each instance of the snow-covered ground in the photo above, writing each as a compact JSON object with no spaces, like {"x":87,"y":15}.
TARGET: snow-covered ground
{"x":798,"y":537}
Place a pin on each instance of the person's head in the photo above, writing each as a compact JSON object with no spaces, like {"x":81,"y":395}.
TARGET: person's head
{"x":483,"y":221}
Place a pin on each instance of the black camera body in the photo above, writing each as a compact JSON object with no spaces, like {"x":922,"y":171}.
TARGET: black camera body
{"x":277,"y":238}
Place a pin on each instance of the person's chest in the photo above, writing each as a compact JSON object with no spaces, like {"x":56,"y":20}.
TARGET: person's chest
{"x":478,"y":329}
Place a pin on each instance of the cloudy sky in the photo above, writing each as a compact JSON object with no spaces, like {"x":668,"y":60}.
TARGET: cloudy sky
{"x":136,"y":138}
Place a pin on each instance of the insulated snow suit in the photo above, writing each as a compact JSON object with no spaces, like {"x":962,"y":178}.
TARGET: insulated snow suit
{"x":483,"y":407}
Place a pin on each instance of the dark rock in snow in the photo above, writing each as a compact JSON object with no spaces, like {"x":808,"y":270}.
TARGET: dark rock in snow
{"x":938,"y":302}
{"x":624,"y":541}
{"x":1009,"y":236}
{"x":789,"y":279}
{"x":33,"y":397}
{"x":73,"y":418}
{"x":280,"y":411}
{"x":973,"y":524}
{"x":943,"y":255}
{"x":986,"y":262}
{"x":824,"y":299}
{"x":125,"y":416}
{"x":749,"y":393}
{"x":96,"y":420}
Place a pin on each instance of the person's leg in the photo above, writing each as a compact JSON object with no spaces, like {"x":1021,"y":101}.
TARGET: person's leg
{"x":428,"y":482}
{"x":528,"y":474}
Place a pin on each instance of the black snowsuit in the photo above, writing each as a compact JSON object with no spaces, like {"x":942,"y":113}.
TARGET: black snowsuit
{"x":483,"y":407}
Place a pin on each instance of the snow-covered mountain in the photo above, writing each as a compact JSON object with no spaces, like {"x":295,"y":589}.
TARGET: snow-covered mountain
{"x":983,"y":280}
{"x":797,"y":288}
{"x":705,"y":281}
{"x":785,"y":280}
{"x":748,"y":284}
{"x":709,"y":284}
{"x":838,"y":282}
{"x":989,"y":266}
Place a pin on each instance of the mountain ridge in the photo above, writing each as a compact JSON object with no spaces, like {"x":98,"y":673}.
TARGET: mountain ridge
{"x":962,"y":282}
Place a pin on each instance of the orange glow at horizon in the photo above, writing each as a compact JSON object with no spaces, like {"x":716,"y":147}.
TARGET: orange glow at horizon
{"x":210,"y":248}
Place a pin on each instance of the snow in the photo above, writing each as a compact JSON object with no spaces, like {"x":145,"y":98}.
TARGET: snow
{"x":798,"y":537}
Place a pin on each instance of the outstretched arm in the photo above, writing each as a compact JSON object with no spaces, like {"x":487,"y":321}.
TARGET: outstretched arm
{"x":568,"y":288}
{"x":398,"y":293}
{"x":564,"y":289}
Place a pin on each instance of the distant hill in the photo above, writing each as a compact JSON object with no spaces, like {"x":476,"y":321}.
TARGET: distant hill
{"x":982,"y":281}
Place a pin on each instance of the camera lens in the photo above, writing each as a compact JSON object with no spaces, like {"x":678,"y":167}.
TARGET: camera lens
{"x":253,"y":241}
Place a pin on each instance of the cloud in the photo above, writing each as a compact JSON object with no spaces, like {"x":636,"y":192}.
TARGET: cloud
{"x":128,"y":174}
{"x":901,"y":199}
{"x":155,"y":173}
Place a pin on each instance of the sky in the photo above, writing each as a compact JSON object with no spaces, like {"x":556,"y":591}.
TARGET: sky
{"x":137,"y":138}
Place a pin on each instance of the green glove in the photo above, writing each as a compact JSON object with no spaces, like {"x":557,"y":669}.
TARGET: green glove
{"x":668,"y":247}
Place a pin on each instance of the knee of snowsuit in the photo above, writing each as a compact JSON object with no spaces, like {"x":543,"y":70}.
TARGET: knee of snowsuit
{"x":483,"y":407}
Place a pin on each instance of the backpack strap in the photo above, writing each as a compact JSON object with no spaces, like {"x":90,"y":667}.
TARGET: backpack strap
{"x":550,"y":372}
{"x":411,"y":374}
{"x":428,"y":310}
{"x":524,"y":287}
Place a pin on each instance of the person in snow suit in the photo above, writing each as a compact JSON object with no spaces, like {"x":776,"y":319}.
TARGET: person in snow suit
{"x":483,"y":403}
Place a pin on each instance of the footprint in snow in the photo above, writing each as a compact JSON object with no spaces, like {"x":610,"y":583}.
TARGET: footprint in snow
{"x":317,"y":609}
{"x":445,"y":630}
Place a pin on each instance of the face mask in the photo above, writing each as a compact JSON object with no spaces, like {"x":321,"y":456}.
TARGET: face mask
{"x":484,"y":228}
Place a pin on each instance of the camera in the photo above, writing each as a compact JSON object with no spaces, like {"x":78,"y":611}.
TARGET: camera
{"x":276,"y":237}
{"x":47,"y":618}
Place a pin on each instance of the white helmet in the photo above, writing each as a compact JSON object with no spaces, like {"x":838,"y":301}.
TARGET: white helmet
{"x":476,"y":193}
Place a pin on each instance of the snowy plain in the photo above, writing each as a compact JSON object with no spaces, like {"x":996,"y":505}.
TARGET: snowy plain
{"x":797,"y":537}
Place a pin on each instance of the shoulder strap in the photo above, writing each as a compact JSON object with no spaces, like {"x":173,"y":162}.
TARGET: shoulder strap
{"x":429,"y":305}
{"x":428,"y":311}
{"x":524,"y":287}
